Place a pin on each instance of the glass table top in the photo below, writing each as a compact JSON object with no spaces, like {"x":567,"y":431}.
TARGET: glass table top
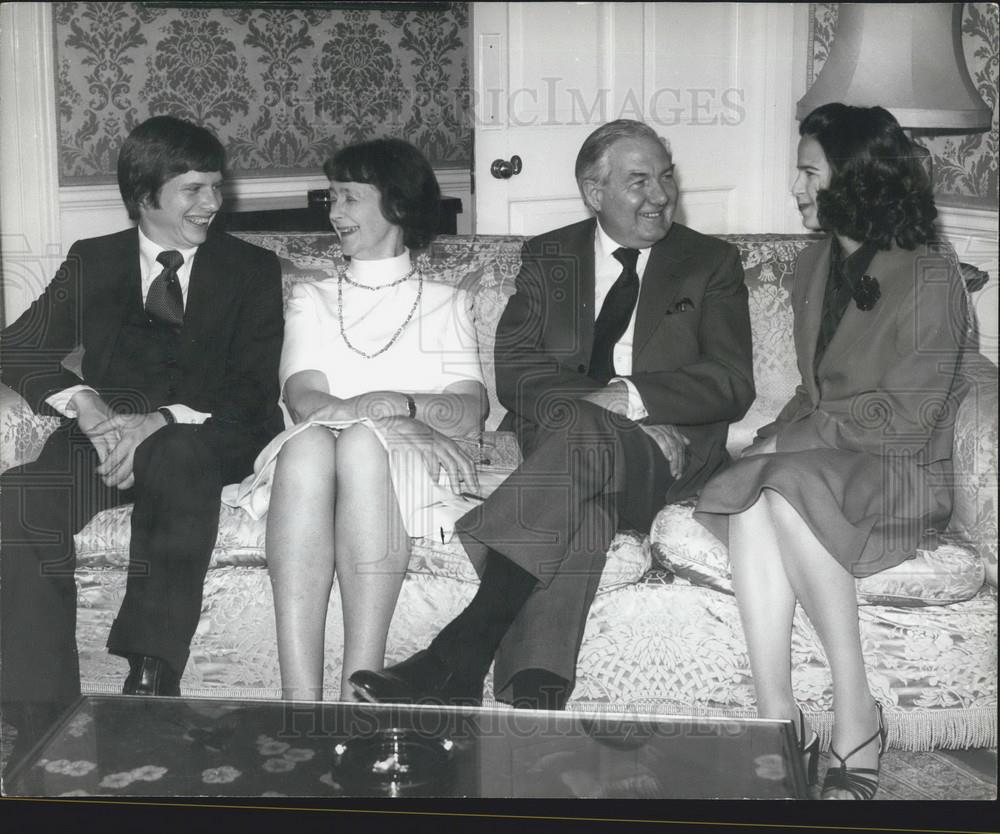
{"x":113,"y":745}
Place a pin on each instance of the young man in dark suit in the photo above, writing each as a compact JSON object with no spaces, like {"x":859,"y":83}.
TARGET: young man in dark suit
{"x":622,"y":358}
{"x":181,"y":331}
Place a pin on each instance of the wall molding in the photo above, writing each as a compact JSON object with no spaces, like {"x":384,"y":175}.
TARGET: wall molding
{"x":974,"y":234}
{"x":93,"y":210}
{"x":975,"y":220}
{"x":29,"y":211}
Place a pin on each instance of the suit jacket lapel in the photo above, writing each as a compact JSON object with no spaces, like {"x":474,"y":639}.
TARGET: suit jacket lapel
{"x":580,"y":244}
{"x":209,"y":285}
{"x":121,"y":289}
{"x":856,"y":322}
{"x":662,"y":282}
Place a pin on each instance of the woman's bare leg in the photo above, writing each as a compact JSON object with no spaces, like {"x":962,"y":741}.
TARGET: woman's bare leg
{"x":300,"y":557}
{"x":827,"y":594}
{"x":767,"y":607}
{"x":373,"y":550}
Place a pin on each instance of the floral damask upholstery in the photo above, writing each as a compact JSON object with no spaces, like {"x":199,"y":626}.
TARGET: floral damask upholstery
{"x":664,"y":633}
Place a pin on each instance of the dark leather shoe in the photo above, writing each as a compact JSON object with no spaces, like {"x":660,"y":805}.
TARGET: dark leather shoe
{"x":421,"y":679}
{"x":150,"y":676}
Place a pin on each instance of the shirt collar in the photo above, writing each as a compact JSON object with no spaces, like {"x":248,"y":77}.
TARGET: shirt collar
{"x":606,"y":246}
{"x":853,"y":266}
{"x":148,"y":251}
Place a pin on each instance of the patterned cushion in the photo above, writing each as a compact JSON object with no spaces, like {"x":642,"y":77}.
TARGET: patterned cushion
{"x":950,"y":573}
{"x":975,"y":513}
{"x":768,"y":268}
{"x":22,"y":432}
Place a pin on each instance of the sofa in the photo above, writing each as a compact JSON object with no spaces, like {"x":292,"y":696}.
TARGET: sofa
{"x":663,"y":634}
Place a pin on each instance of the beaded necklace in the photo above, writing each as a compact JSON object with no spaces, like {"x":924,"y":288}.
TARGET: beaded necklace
{"x":342,"y":276}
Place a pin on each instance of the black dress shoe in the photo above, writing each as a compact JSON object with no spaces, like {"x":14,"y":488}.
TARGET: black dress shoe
{"x":421,"y":679}
{"x":150,"y":676}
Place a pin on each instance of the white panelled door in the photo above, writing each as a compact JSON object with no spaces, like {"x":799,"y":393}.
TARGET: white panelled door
{"x":713,"y":78}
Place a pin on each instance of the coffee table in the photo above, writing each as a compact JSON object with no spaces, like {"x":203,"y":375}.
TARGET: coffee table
{"x":115,"y":745}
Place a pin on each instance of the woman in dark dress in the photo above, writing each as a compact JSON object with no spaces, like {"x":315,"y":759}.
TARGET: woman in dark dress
{"x":855,"y":470}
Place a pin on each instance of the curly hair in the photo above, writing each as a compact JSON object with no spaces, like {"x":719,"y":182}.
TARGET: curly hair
{"x":879,"y":190}
{"x":160,"y":149}
{"x":408,"y":190}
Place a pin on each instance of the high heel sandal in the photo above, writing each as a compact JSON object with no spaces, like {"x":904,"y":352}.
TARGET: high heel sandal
{"x":809,"y":752}
{"x":860,"y":782}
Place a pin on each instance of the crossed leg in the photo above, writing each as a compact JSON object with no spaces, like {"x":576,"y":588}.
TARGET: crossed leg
{"x":776,"y":561}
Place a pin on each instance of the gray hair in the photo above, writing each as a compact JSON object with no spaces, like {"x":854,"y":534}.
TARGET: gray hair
{"x":592,"y":160}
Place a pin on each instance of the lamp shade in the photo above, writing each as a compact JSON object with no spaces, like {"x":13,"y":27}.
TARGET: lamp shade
{"x":906,"y":57}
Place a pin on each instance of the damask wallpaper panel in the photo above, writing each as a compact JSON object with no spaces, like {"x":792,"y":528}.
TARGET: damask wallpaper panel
{"x":964,"y":164}
{"x":282,"y":87}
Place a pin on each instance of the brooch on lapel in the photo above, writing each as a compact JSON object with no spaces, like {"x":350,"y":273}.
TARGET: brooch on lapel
{"x":866,"y":292}
{"x":681,"y":306}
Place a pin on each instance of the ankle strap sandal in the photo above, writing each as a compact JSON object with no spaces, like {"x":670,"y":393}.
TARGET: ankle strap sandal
{"x":860,"y":782}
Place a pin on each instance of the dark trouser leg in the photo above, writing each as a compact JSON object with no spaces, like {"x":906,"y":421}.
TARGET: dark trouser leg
{"x":174,"y":525}
{"x":43,"y":504}
{"x":467,"y":643}
{"x":555,"y":517}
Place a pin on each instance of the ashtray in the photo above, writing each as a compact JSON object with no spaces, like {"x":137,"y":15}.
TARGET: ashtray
{"x":394,"y":762}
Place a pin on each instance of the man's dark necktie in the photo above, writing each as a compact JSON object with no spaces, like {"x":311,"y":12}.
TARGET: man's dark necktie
{"x":164,"y":302}
{"x":616,"y":312}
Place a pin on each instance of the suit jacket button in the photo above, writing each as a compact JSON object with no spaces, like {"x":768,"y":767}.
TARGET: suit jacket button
{"x":582,"y":368}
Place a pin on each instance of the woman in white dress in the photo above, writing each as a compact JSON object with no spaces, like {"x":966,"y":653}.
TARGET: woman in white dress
{"x":380,"y":373}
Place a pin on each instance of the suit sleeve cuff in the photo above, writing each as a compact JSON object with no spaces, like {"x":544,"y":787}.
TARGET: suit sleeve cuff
{"x":636,"y":407}
{"x":184,"y":414}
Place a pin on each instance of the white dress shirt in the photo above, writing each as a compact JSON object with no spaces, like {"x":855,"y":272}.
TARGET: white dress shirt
{"x":149,"y":268}
{"x":607,"y":268}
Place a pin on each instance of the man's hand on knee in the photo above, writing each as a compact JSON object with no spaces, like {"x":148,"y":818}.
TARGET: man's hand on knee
{"x":672,"y":443}
{"x":131,"y":429}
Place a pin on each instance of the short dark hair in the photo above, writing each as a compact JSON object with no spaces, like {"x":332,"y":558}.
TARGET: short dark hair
{"x":409,"y":194}
{"x":592,"y":159}
{"x":162,"y":148}
{"x":879,"y":191}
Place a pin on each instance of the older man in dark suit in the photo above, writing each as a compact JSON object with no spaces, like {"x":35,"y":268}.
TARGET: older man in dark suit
{"x":181,"y":334}
{"x":622,"y":357}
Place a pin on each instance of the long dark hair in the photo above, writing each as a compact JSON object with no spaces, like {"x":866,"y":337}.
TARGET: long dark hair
{"x":879,"y":190}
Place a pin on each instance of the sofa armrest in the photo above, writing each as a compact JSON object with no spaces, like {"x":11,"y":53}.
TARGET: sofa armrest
{"x":975,"y":511}
{"x":22,"y":432}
